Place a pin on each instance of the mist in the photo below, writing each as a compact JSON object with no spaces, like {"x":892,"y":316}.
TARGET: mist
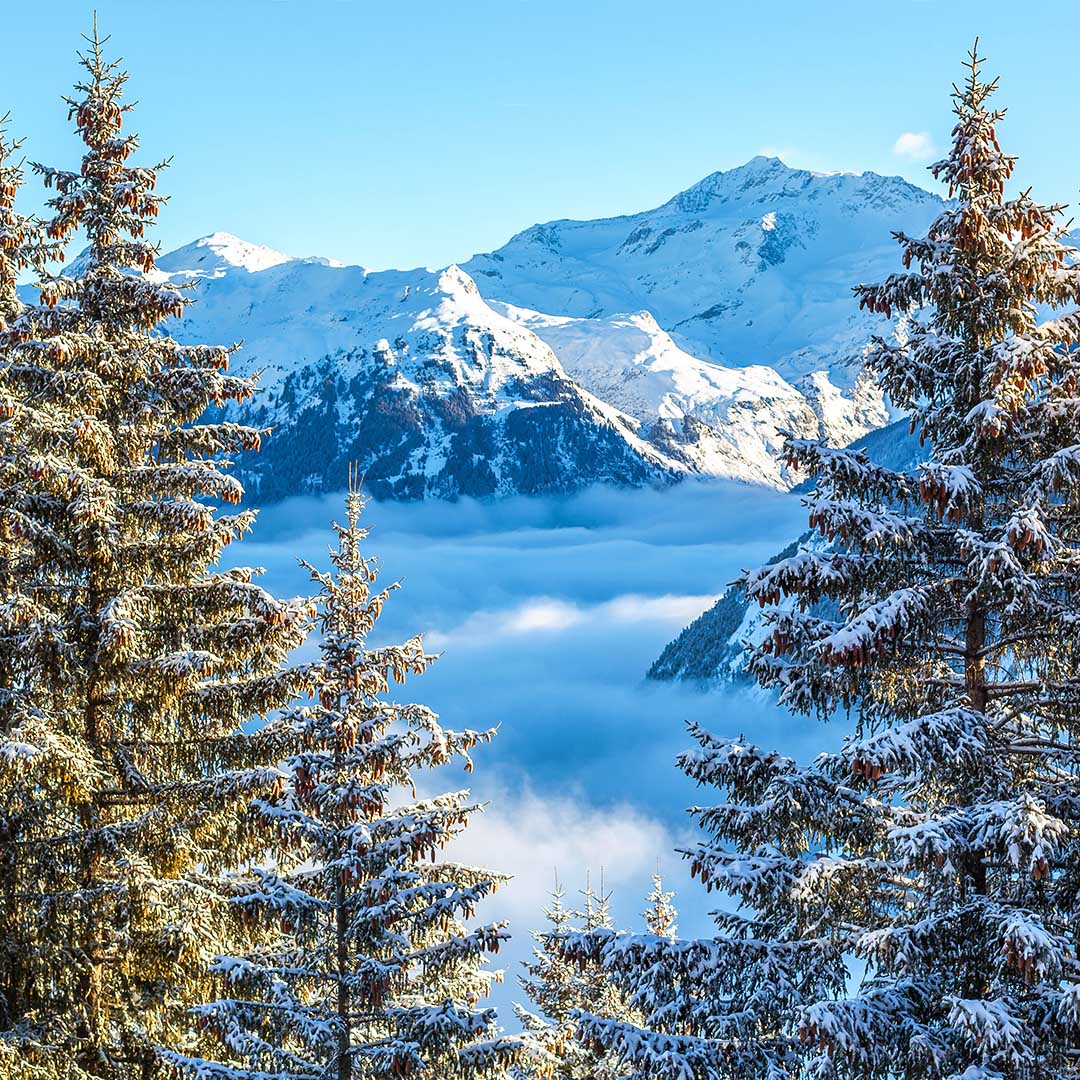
{"x":547,"y":612}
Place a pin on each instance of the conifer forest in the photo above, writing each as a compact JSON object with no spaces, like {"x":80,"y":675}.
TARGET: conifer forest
{"x":816,"y":433}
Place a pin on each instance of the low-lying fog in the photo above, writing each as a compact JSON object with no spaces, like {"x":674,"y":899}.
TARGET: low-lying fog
{"x":548,"y":611}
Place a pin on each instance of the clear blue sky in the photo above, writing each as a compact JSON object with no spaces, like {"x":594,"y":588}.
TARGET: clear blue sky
{"x":411,"y":133}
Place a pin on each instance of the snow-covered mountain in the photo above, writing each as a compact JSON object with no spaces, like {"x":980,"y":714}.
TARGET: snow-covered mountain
{"x":750,"y":266}
{"x":716,"y":420}
{"x":410,"y":373}
{"x":689,"y":339}
{"x":736,"y":291}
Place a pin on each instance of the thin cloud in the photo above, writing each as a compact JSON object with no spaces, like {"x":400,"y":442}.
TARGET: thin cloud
{"x":552,"y":615}
{"x":530,"y":835}
{"x":914,"y":145}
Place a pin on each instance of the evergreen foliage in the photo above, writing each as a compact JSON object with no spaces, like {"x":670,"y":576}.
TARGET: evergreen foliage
{"x":560,"y":988}
{"x":19,"y":235}
{"x":376,"y":969}
{"x":720,"y":1006}
{"x":952,"y":872}
{"x":938,"y":848}
{"x":128,"y":664}
{"x":660,"y":916}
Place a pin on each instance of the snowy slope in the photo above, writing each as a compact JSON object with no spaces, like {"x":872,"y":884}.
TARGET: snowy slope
{"x":750,"y":266}
{"x":218,"y":255}
{"x":721,"y":421}
{"x":750,"y":269}
{"x":712,"y":649}
{"x":409,"y":373}
{"x":689,"y":339}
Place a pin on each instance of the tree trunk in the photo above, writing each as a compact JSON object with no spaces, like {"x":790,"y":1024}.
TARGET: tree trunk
{"x":974,"y":660}
{"x":91,"y":819}
{"x":344,"y":1071}
{"x":978,"y":696}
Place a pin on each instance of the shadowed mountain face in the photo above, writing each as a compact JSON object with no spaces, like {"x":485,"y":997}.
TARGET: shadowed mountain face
{"x":411,"y":374}
{"x":690,"y":339}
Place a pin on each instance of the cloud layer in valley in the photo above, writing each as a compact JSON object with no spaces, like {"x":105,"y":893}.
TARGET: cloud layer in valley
{"x":547,"y":613}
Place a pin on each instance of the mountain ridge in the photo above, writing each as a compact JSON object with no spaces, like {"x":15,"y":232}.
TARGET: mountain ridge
{"x":685,"y":340}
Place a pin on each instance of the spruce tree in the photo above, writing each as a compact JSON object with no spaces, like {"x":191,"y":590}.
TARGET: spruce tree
{"x":376,"y":970}
{"x":723,"y":1006}
{"x":20,"y":247}
{"x":19,"y":239}
{"x":549,"y":983}
{"x":561,"y":987}
{"x":938,"y":848}
{"x":660,"y":916}
{"x":128,"y":663}
{"x":954,"y":872}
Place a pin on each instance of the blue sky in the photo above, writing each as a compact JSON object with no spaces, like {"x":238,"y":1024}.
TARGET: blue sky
{"x":397,"y":134}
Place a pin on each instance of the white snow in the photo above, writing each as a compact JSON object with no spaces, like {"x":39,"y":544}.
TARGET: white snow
{"x":630,"y":362}
{"x":730,"y":305}
{"x":723,"y":285}
{"x":215,"y":255}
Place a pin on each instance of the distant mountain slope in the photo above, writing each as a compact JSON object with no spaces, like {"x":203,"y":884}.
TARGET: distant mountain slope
{"x":721,"y":421}
{"x":409,"y":373}
{"x":711,"y":650}
{"x":730,"y":306}
{"x":685,"y":340}
{"x":750,"y":266}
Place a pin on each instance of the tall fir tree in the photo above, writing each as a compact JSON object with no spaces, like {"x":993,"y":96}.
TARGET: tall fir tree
{"x":21,"y":247}
{"x":560,"y":988}
{"x":939,"y":847}
{"x":376,"y":971}
{"x":956,"y":645}
{"x":128,"y":664}
{"x":20,"y":241}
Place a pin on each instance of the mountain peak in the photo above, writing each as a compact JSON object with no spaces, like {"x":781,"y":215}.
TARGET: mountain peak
{"x":772,"y":164}
{"x":763,"y":179}
{"x":219,"y":252}
{"x":763,"y":163}
{"x":456,"y":281}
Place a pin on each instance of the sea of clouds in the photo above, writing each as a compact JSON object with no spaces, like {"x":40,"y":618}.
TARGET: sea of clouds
{"x":548,"y":612}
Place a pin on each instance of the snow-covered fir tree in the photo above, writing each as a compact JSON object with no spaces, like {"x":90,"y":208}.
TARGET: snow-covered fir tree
{"x":549,"y":982}
{"x":18,"y":239}
{"x":719,"y":1007}
{"x":18,"y":233}
{"x":596,"y":907}
{"x":938,"y":849}
{"x":128,"y":664}
{"x":559,"y":988}
{"x":954,"y":872}
{"x":20,"y":244}
{"x":376,"y":970}
{"x":952,"y":865}
{"x":660,"y":916}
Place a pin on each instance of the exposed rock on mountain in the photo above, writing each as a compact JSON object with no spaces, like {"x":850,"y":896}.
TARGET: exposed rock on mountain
{"x":685,"y":340}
